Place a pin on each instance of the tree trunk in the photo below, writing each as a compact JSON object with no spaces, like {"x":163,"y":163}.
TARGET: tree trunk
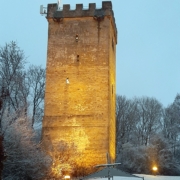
{"x":2,"y":157}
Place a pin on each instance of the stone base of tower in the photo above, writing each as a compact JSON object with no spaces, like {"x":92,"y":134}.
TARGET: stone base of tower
{"x":75,"y":143}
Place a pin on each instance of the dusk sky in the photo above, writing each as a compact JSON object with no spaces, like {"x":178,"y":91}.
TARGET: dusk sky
{"x":148,"y":49}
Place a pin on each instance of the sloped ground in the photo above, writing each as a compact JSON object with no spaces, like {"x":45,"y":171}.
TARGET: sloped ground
{"x":146,"y":177}
{"x":150,"y":177}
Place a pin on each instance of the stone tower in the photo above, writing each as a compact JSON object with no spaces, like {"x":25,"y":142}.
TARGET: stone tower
{"x":80,"y":83}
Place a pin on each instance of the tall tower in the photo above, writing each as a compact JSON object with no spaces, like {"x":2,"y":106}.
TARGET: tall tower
{"x":80,"y":84}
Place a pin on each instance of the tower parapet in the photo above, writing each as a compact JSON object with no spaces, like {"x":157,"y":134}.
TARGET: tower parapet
{"x":58,"y":14}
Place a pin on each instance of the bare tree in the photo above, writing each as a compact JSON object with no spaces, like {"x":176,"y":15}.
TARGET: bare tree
{"x":150,"y":116}
{"x":36,"y":80}
{"x":172,"y":125}
{"x":126,"y":119}
{"x":63,"y":155}
{"x":138,"y":121}
{"x":25,"y":158}
{"x":21,"y":90}
{"x":12,"y":62}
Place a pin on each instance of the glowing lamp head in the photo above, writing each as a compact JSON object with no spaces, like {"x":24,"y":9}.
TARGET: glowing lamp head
{"x":154,"y":168}
{"x":67,"y":177}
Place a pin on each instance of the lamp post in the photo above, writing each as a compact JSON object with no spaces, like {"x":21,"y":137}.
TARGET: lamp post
{"x":155,"y":169}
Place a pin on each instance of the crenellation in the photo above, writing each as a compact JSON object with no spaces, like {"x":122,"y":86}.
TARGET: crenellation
{"x":92,"y":6}
{"x":66,"y":12}
{"x":66,"y":8}
{"x":106,"y":5}
{"x":79,"y":7}
{"x":79,"y":11}
{"x":51,"y":9}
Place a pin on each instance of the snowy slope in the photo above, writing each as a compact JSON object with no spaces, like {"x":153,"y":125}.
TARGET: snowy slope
{"x":150,"y":177}
{"x":146,"y":177}
{"x":118,"y":178}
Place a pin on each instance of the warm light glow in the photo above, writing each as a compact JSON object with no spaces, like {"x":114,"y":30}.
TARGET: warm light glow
{"x":67,"y":177}
{"x":154,"y":168}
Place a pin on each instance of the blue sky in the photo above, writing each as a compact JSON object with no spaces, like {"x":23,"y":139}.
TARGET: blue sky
{"x":148,"y":50}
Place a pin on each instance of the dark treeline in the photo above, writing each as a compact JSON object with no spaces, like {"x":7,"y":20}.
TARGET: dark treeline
{"x":148,"y":135}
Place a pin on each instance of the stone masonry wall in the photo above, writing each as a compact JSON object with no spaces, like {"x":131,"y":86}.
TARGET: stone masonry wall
{"x":80,"y":82}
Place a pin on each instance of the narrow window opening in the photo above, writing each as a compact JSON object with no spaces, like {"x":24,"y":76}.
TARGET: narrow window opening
{"x":77,"y":37}
{"x":78,"y":58}
{"x":112,"y":44}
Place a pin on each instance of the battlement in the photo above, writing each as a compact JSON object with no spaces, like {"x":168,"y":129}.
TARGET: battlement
{"x":53,"y":10}
{"x":54,"y":13}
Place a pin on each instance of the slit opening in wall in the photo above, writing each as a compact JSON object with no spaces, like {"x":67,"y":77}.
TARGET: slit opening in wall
{"x":112,"y":44}
{"x":77,"y":37}
{"x":78,"y":58}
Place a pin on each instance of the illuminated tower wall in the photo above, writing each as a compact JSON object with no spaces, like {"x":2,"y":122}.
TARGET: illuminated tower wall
{"x":80,"y":81}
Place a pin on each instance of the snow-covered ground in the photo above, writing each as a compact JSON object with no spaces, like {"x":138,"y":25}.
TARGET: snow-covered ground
{"x":146,"y":177}
{"x":150,"y":177}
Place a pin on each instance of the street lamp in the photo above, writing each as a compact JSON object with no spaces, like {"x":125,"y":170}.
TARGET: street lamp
{"x":155,"y":169}
{"x":67,"y":177}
